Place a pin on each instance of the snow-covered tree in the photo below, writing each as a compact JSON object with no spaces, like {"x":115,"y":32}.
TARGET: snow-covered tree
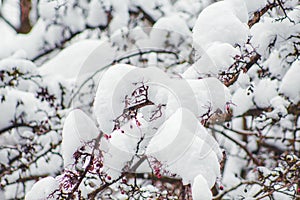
{"x":172,"y":99}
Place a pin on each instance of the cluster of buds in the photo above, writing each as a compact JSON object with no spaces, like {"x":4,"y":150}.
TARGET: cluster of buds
{"x":157,"y":168}
{"x":96,"y":166}
{"x":106,"y":136}
{"x":42,"y":128}
{"x":44,"y":95}
{"x":68,"y":180}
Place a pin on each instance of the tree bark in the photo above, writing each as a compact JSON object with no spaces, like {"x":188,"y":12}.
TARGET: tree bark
{"x":25,"y":25}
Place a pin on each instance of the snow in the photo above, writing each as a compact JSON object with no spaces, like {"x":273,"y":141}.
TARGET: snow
{"x":185,"y":148}
{"x":25,"y":66}
{"x":217,"y":58}
{"x":69,"y":61}
{"x":276,"y":66}
{"x":9,"y":9}
{"x":264,"y":91}
{"x":186,"y":8}
{"x":96,"y":16}
{"x":13,"y":109}
{"x":107,"y":96}
{"x":2,"y":194}
{"x":120,"y":81}
{"x":176,"y":138}
{"x":120,"y":13}
{"x":51,"y":36}
{"x":172,"y":24}
{"x":243,"y":80}
{"x":122,"y":147}
{"x":232,"y":169}
{"x":242,"y":101}
{"x":261,"y":39}
{"x":45,"y":34}
{"x":7,"y":35}
{"x":279,"y":107}
{"x":53,"y":165}
{"x":210,"y":94}
{"x":149,"y":7}
{"x":31,"y":43}
{"x":171,"y":31}
{"x":269,"y":31}
{"x":78,"y":129}
{"x":290,"y":85}
{"x":211,"y":26}
{"x":253,"y":6}
{"x":240,"y":9}
{"x":75,"y":19}
{"x":200,"y":191}
{"x":42,"y":189}
{"x":47,"y":9}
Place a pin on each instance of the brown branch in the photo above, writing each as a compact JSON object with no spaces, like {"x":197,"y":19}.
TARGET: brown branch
{"x":8,"y":128}
{"x":253,"y":60}
{"x":25,"y":7}
{"x":260,"y":13}
{"x":138,"y":106}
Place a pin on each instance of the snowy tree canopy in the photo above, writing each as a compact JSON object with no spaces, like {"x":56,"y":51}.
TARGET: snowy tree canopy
{"x":169,"y":99}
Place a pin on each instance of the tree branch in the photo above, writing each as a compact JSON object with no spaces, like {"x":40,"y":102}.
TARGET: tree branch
{"x":5,"y":129}
{"x":260,"y":13}
{"x":255,"y":160}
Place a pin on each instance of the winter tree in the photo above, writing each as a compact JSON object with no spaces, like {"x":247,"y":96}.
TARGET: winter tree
{"x":171,"y":99}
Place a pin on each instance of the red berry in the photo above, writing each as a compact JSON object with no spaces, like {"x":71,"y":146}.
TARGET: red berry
{"x":221,"y":187}
{"x":101,"y":165}
{"x":91,"y":168}
{"x":108,"y":177}
{"x":138,"y":123}
{"x":107,"y":136}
